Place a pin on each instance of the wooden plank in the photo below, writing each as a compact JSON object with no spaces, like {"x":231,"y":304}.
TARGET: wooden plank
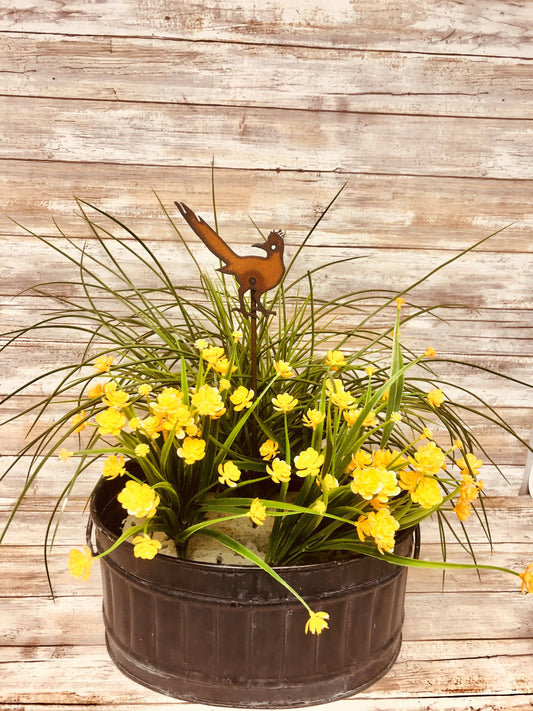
{"x":400,"y":212}
{"x":66,"y":675}
{"x":179,"y":135}
{"x":310,"y":78}
{"x":480,"y":28}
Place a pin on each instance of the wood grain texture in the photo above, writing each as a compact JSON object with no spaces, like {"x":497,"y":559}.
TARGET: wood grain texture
{"x":424,"y":109}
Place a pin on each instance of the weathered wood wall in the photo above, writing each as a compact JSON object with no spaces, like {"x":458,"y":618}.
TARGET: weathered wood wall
{"x":425,"y":110}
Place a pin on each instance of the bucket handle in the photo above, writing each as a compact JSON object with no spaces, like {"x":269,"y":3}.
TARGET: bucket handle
{"x":416,"y":551}
{"x":89,"y":537}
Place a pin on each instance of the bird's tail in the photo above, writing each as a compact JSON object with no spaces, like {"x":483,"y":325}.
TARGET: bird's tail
{"x":208,"y":236}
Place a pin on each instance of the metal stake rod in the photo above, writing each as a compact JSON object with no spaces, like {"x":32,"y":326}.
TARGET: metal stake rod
{"x":253,"y":367}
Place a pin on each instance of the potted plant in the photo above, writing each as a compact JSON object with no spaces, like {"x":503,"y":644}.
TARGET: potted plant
{"x":266,"y":456}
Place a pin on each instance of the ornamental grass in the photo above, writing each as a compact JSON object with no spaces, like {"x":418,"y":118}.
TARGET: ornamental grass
{"x":348,"y":438}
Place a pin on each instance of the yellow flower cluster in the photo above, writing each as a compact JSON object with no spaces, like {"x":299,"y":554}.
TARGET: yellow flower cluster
{"x":375,"y":482}
{"x":138,"y":499}
{"x":469,"y":488}
{"x":381,"y":526}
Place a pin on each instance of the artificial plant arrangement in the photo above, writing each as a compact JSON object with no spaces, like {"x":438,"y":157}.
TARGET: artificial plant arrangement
{"x":218,"y":401}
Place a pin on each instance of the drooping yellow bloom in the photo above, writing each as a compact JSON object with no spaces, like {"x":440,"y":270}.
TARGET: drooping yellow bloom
{"x":77,"y":420}
{"x":236,"y":335}
{"x":370,"y":420}
{"x":279,"y":471}
{"x":430,"y":352}
{"x":427,"y":433}
{"x":527,"y":580}
{"x":80,"y":563}
{"x":269,"y":449}
{"x":381,"y":526}
{"x":222,"y":366}
{"x":192,"y":450}
{"x":338,"y":395}
{"x":114,"y":466}
{"x":335,"y":360}
{"x":213,"y":353}
{"x":435,"y":397}
{"x":313,"y":418}
{"x":145,"y":547}
{"x":113,"y":397}
{"x":241,"y":398}
{"x":207,"y":401}
{"x":201,"y":344}
{"x":97,"y":390}
{"x":317,"y":622}
{"x":144,"y":389}
{"x":257,"y":512}
{"x":470,"y":488}
{"x":463,"y":509}
{"x":284,"y":402}
{"x":224,"y":384}
{"x":134,"y":424}
{"x":103,"y":364}
{"x":427,"y":493}
{"x":429,"y":459}
{"x":110,"y":421}
{"x":470,"y":464}
{"x":308,"y":462}
{"x":396,"y":417}
{"x":65,"y":454}
{"x":229,"y":473}
{"x":284,"y":369}
{"x":141,"y":450}
{"x":350,"y":416}
{"x":139,"y":499}
{"x":319,"y":506}
{"x":370,"y":370}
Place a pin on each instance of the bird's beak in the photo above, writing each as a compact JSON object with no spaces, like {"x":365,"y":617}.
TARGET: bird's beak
{"x":261,"y":245}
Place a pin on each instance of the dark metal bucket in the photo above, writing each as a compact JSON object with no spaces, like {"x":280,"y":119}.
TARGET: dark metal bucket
{"x":233,"y":636}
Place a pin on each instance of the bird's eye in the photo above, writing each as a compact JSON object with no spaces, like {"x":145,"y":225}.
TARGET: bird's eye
{"x":274,"y":247}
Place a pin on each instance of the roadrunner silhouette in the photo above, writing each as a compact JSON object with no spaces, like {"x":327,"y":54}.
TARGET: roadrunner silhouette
{"x":254,"y":274}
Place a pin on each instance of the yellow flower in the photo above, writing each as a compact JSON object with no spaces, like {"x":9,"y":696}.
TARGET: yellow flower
{"x":279,"y":471}
{"x":201,"y":344}
{"x":192,"y":450}
{"x":317,"y":622}
{"x":370,"y":420}
{"x":527,"y":580}
{"x":284,"y":369}
{"x":144,"y":389}
{"x":207,"y":401}
{"x":97,"y":390}
{"x":366,"y":482}
{"x":168,"y":400}
{"x":385,"y":395}
{"x":65,"y":454}
{"x":430,"y":352}
{"x":257,"y":512}
{"x":370,"y":370}
{"x":338,"y":396}
{"x":77,"y":420}
{"x":396,"y":417}
{"x":212,"y":353}
{"x":350,"y":416}
{"x":470,"y":488}
{"x":284,"y":402}
{"x":399,"y":302}
{"x":429,"y":459}
{"x":80,"y":563}
{"x":362,"y":459}
{"x":427,"y":493}
{"x":103,"y":364}
{"x":335,"y":360}
{"x":113,"y":397}
{"x":435,"y":397}
{"x":110,"y":421}
{"x":236,"y":335}
{"x":229,"y":474}
{"x":381,"y":526}
{"x":268,"y":449}
{"x":152,"y":426}
{"x":141,"y":450}
{"x":427,"y":433}
{"x":134,"y":424}
{"x":113,"y":467}
{"x":463,"y":509}
{"x":329,"y":482}
{"x":409,"y":480}
{"x":319,"y":506}
{"x":313,"y":418}
{"x":224,"y":384}
{"x":241,"y":398}
{"x":145,"y":547}
{"x":469,"y":464}
{"x":179,"y":420}
{"x":222,"y":366}
{"x":308,"y":462}
{"x":139,"y":499}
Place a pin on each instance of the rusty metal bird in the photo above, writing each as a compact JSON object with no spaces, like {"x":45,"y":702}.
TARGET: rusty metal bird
{"x":254,"y":274}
